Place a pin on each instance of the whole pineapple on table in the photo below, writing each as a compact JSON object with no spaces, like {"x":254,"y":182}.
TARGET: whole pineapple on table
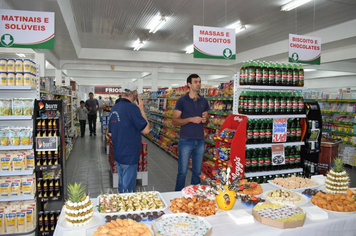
{"x":337,"y":180}
{"x":78,"y":208}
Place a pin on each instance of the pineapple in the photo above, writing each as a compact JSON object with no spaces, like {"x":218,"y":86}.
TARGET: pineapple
{"x":76,"y":192}
{"x":337,"y":180}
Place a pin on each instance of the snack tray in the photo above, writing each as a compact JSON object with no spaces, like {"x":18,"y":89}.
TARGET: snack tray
{"x":296,"y":189}
{"x":186,"y":195}
{"x":124,"y":212}
{"x":337,"y":212}
{"x":305,"y":199}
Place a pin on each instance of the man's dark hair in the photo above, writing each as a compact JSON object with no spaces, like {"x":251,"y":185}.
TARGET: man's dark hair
{"x":190,"y":77}
{"x":81,"y":101}
{"x":99,"y":97}
{"x":91,"y":93}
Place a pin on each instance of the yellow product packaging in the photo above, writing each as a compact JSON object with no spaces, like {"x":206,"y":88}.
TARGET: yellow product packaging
{"x":19,"y":79}
{"x":27,"y":186}
{"x":10,"y":79}
{"x":3,"y":79}
{"x":6,"y":162}
{"x":27,"y":107}
{"x":30,"y":159}
{"x":21,"y":220}
{"x":10,"y":221}
{"x":5,"y":187}
{"x":2,"y":222}
{"x":17,"y":107}
{"x":27,"y":79}
{"x":30,"y":214}
{"x":5,"y":107}
{"x":18,"y":162}
{"x":4,"y":136}
{"x":15,"y":136}
{"x":16,"y":187}
{"x":26,"y":136}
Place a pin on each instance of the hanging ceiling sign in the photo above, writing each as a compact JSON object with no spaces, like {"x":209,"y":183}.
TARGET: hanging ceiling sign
{"x":26,"y":29}
{"x":304,"y":49}
{"x":107,"y":90}
{"x":214,"y":43}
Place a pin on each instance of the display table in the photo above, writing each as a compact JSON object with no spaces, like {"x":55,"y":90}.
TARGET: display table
{"x":337,"y":224}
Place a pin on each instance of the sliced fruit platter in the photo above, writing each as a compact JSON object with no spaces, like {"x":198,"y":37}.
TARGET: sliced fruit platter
{"x":204,"y":191}
{"x":130,"y":202}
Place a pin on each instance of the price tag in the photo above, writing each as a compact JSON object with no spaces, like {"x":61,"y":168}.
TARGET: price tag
{"x":279,"y":134}
{"x":278,"y":157}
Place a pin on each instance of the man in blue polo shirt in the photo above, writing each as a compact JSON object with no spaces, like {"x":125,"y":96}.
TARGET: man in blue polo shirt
{"x":126,"y":122}
{"x":190,"y":113}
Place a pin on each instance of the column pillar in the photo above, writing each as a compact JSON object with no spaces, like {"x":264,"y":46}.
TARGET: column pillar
{"x":40,"y":60}
{"x":140,"y":86}
{"x":154,"y":86}
{"x":58,"y":76}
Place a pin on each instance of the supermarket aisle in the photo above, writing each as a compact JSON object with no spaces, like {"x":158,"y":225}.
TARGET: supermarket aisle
{"x":88,"y":164}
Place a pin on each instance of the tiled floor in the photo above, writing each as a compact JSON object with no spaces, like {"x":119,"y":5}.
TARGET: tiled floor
{"x":88,"y":164}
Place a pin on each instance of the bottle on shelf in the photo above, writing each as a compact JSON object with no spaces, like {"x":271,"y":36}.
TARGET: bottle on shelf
{"x":295,"y":75}
{"x":241,"y":102}
{"x":247,"y":71}
{"x":283,"y":104}
{"x":251,"y":104}
{"x":298,"y":131}
{"x":246,"y":98}
{"x":268,"y":135}
{"x":256,"y":132}
{"x":289,"y":103}
{"x":278,"y":75}
{"x":286,"y":159}
{"x":270,"y":108}
{"x":295,"y":103}
{"x":264,"y":103}
{"x":252,"y":73}
{"x":253,"y":161}
{"x":267,"y":160}
{"x":289,"y":75}
{"x":249,"y":131}
{"x":247,"y":161}
{"x":258,"y":104}
{"x":263,"y":129}
{"x":292,"y":131}
{"x":242,"y":78}
{"x":258,"y":73}
{"x":292,"y":157}
{"x":265,"y":73}
{"x":297,"y":158}
{"x":288,"y":130}
{"x":271,"y":74}
{"x":260,"y":160}
{"x":300,"y":104}
{"x":277,"y":103}
{"x":284,"y":75}
{"x":301,"y":76}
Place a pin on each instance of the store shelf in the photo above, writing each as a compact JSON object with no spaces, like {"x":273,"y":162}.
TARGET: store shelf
{"x":165,"y":135}
{"x":339,"y":112}
{"x":273,"y":172}
{"x":15,"y":117}
{"x":12,"y":173}
{"x":339,"y":122}
{"x":275,"y":116}
{"x":29,"y":232}
{"x":219,"y":113}
{"x":331,"y":100}
{"x":158,"y":114}
{"x":261,"y":87}
{"x":23,"y":147}
{"x":159,"y":123}
{"x":17,"y":88}
{"x":208,"y":156}
{"x":50,"y":199}
{"x":337,"y":132}
{"x":211,"y":142}
{"x":219,"y":98}
{"x":212,"y":127}
{"x":348,"y":143}
{"x":17,"y":198}
{"x":263,"y":145}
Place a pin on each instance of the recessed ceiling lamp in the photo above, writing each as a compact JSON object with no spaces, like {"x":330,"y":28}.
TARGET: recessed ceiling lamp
{"x":156,"y":23}
{"x":20,"y":54}
{"x":189,"y":49}
{"x":237,"y":26}
{"x":138,"y":44}
{"x":308,"y":70}
{"x":294,"y":4}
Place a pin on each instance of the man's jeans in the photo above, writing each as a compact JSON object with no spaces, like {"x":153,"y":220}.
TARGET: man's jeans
{"x":127,"y":177}
{"x":189,"y":148}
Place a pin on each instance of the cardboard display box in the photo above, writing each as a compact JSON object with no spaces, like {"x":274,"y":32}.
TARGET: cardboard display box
{"x":279,"y":224}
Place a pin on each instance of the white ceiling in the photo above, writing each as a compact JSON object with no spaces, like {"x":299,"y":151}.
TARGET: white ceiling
{"x":92,"y":35}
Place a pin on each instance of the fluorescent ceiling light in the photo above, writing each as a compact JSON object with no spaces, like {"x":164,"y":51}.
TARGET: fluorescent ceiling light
{"x":189,"y":49}
{"x":237,"y":26}
{"x":138,"y":44}
{"x":156,"y":23}
{"x":307,"y":70}
{"x":20,"y":54}
{"x":293,"y":4}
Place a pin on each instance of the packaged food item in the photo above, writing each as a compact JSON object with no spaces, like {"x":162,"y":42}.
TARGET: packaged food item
{"x":21,"y":220}
{"x":3,"y":79}
{"x":10,"y":223}
{"x":15,"y":136}
{"x":3,"y":65}
{"x":27,"y":79}
{"x":16,"y":187}
{"x":27,"y":107}
{"x":5,"y":107}
{"x":26,"y":136}
{"x":27,"y":185}
{"x":18,"y":162}
{"x":19,"y":79}
{"x":29,"y":217}
{"x":17,"y":107}
{"x":19,"y":65}
{"x":2,"y":221}
{"x":27,"y":65}
{"x":30,"y":159}
{"x":6,"y":160}
{"x":5,"y":187}
{"x":4,"y":136}
{"x":10,"y":79}
{"x":10,"y":65}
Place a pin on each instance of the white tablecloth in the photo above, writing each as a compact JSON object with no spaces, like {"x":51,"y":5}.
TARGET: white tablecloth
{"x":338,"y":223}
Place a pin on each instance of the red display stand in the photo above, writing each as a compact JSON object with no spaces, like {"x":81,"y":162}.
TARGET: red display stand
{"x":238,"y":144}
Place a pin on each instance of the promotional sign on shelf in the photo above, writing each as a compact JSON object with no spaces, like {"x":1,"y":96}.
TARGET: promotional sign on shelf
{"x":107,"y":90}
{"x":26,"y":29}
{"x":278,"y":157}
{"x":214,"y":43}
{"x":279,"y":134}
{"x":46,"y":144}
{"x":304,"y":49}
{"x":237,"y":152}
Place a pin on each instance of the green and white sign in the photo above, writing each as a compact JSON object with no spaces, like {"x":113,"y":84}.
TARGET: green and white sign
{"x":304,"y":49}
{"x":26,"y":29}
{"x":214,"y":43}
